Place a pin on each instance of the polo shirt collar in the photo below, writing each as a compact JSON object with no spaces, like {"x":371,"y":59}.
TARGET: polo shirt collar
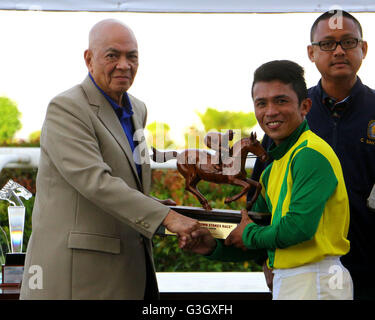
{"x":122,"y":112}
{"x":337,"y":108}
{"x":353,"y":92}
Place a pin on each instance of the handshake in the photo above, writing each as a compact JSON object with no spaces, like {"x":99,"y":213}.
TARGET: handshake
{"x":193,"y":237}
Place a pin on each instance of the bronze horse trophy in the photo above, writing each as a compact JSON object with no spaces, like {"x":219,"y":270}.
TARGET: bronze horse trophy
{"x":225,"y":166}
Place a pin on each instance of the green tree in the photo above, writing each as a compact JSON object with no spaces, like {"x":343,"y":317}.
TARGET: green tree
{"x":9,"y":119}
{"x":221,"y":120}
{"x":158,"y":135}
{"x":194,"y":138}
{"x":34,"y":137}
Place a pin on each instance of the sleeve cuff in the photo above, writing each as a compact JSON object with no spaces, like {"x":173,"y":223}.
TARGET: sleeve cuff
{"x":217,"y":253}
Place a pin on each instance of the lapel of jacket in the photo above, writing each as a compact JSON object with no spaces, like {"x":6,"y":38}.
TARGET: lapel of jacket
{"x":139,"y":120}
{"x":110,"y":120}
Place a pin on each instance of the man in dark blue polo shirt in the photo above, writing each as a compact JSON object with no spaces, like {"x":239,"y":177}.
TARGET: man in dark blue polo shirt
{"x":343,"y":114}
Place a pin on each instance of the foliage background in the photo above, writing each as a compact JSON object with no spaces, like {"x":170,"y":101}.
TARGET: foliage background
{"x":10,"y":119}
{"x":213,"y":119}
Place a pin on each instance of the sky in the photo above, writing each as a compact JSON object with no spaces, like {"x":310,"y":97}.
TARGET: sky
{"x":188,"y":62}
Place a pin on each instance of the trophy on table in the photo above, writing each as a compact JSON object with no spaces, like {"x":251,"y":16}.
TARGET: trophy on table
{"x":12,"y":270}
{"x":225,"y":166}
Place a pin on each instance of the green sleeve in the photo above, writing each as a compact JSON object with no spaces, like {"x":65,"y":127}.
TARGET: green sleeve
{"x":233,"y":254}
{"x":314,"y":182}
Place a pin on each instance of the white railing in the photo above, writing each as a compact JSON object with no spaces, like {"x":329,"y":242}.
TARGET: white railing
{"x":212,"y":282}
{"x":29,"y":158}
{"x":19,"y":157}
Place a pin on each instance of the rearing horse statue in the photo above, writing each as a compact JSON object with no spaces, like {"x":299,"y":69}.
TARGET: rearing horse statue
{"x":196,"y":164}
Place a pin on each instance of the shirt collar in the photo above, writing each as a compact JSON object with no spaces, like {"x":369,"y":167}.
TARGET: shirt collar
{"x":277,"y":152}
{"x":337,"y":108}
{"x":353,"y":92}
{"x":122,"y":112}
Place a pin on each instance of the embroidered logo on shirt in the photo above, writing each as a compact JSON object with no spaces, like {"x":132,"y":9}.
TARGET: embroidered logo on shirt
{"x":371,"y":130}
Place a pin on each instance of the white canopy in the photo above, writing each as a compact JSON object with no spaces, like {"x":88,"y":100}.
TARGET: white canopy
{"x":203,"y":6}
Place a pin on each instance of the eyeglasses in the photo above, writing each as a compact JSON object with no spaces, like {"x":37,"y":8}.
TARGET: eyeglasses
{"x":331,"y":45}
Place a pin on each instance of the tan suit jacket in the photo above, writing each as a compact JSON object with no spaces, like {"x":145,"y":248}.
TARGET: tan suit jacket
{"x":92,"y":222}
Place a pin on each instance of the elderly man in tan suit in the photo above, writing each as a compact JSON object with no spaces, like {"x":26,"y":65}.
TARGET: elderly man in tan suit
{"x":93,"y":221}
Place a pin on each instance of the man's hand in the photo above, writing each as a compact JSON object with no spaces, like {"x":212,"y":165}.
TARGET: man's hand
{"x":182,"y":225}
{"x":201,"y":242}
{"x":166,"y":202}
{"x":268,"y":274}
{"x":235,"y":237}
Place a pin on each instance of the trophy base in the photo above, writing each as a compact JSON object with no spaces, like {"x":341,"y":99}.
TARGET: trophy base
{"x":220,"y":222}
{"x":15,"y":259}
{"x":12,"y":271}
